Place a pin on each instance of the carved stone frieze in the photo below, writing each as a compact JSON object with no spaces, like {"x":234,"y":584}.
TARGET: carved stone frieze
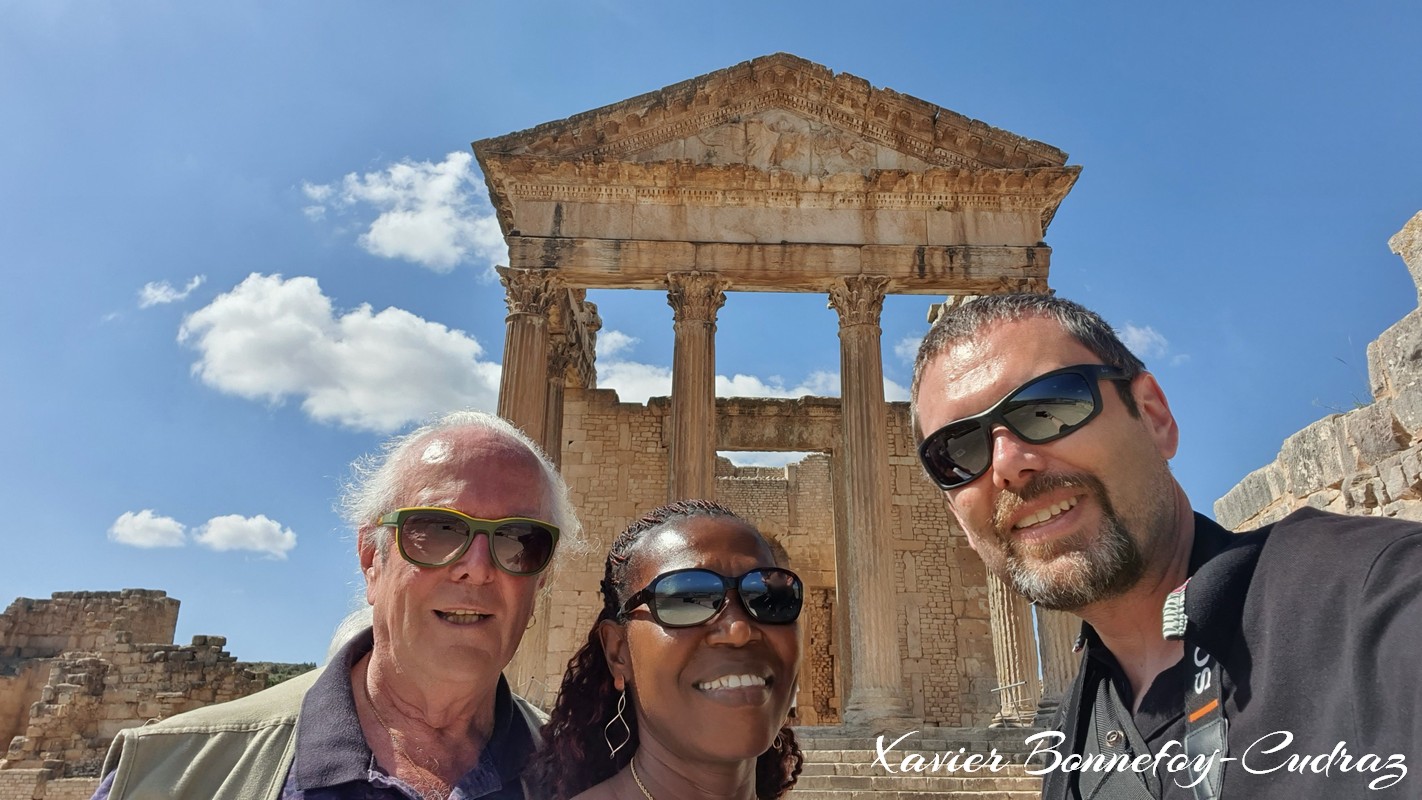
{"x":533,"y":178}
{"x":695,"y":296}
{"x":781,"y":81}
{"x":528,"y":291}
{"x":858,"y":299}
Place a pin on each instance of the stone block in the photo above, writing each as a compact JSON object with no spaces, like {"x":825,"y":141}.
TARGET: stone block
{"x":1411,"y":466}
{"x":1404,"y":509}
{"x":1372,"y":433}
{"x":1395,"y":357}
{"x":1313,"y":458}
{"x":1394,"y":481}
{"x":1407,"y":410}
{"x":1408,"y":244}
{"x":1271,"y":516}
{"x":1250,"y":496}
{"x":1358,"y":493}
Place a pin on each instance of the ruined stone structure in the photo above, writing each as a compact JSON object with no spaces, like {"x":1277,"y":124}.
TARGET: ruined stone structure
{"x":776,"y":175}
{"x":81,"y":666}
{"x":1367,"y":461}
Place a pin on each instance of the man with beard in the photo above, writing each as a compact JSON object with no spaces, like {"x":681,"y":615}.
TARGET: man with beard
{"x":1282,"y":663}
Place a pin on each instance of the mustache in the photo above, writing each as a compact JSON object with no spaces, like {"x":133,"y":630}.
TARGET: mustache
{"x":1010,"y":502}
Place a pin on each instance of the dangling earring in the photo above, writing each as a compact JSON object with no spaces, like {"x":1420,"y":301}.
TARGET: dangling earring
{"x":778,"y":743}
{"x":626,"y":729}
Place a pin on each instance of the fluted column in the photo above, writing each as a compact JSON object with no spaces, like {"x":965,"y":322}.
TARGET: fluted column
{"x":1056,"y":635}
{"x":695,"y":297}
{"x":1015,"y":652}
{"x":523,"y":387}
{"x":561,"y":356}
{"x":866,"y":563}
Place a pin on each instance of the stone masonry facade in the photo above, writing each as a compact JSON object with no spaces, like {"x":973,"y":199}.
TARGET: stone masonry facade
{"x":614,"y":458}
{"x":1367,"y":461}
{"x":77,"y":668}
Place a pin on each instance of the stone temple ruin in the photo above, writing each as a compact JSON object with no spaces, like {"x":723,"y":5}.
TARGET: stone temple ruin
{"x":81,"y":666}
{"x":778,"y":175}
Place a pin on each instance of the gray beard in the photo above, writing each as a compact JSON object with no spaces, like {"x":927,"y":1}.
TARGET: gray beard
{"x":1078,"y":571}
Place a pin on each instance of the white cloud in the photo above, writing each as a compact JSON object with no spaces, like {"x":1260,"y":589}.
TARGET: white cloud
{"x":317,"y":192}
{"x":819,"y":384}
{"x":435,"y":215}
{"x":1145,"y":342}
{"x":147,"y":529}
{"x":610,"y":343}
{"x":157,"y":293}
{"x":756,"y":458}
{"x":236,"y":532}
{"x":635,"y":382}
{"x":894,"y":393}
{"x":270,"y":339}
{"x":907,"y":348}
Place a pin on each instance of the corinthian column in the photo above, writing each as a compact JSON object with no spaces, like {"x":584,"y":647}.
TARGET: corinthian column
{"x":1015,"y":651}
{"x":695,"y":297}
{"x":523,"y":387}
{"x":561,"y":356}
{"x":1056,"y":635}
{"x":865,"y":561}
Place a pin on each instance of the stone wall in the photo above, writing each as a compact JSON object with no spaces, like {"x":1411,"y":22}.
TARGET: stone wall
{"x":35,"y":784}
{"x":89,"y":698}
{"x":1367,"y":461}
{"x":17,"y":692}
{"x":81,"y":666}
{"x":945,"y":638}
{"x":85,"y":621}
{"x":615,"y":461}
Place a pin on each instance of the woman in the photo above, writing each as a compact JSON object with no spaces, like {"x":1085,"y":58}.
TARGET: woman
{"x":687,"y":676}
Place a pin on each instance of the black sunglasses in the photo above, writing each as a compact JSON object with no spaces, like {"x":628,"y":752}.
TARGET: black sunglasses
{"x":1045,"y":408}
{"x":432,"y":537}
{"x":686,"y":597}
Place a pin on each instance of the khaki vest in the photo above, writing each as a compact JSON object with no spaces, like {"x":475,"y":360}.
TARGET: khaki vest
{"x":240,"y":750}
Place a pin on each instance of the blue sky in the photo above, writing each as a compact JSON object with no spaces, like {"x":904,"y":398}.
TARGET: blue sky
{"x":243,"y":242}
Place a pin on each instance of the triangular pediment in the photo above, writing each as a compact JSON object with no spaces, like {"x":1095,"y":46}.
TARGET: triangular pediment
{"x":774,"y":139}
{"x":779,"y":112}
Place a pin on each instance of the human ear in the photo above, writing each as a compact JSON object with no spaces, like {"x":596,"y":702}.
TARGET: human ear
{"x":616,"y":652}
{"x":1155,"y":414}
{"x":366,"y":551}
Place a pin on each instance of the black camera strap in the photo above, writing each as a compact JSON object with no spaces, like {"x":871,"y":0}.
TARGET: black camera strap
{"x":1206,"y":742}
{"x":1206,"y":730}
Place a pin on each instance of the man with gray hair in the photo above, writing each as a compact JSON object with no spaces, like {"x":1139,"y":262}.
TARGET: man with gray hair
{"x":1281,"y":663}
{"x":456,"y":524}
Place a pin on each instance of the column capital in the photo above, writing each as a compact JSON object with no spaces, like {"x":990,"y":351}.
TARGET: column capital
{"x":695,"y":296}
{"x":528,"y":291}
{"x":858,"y":299}
{"x":563,"y":355}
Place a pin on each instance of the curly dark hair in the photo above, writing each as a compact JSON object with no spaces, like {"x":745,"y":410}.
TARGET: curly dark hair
{"x":575,"y":755}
